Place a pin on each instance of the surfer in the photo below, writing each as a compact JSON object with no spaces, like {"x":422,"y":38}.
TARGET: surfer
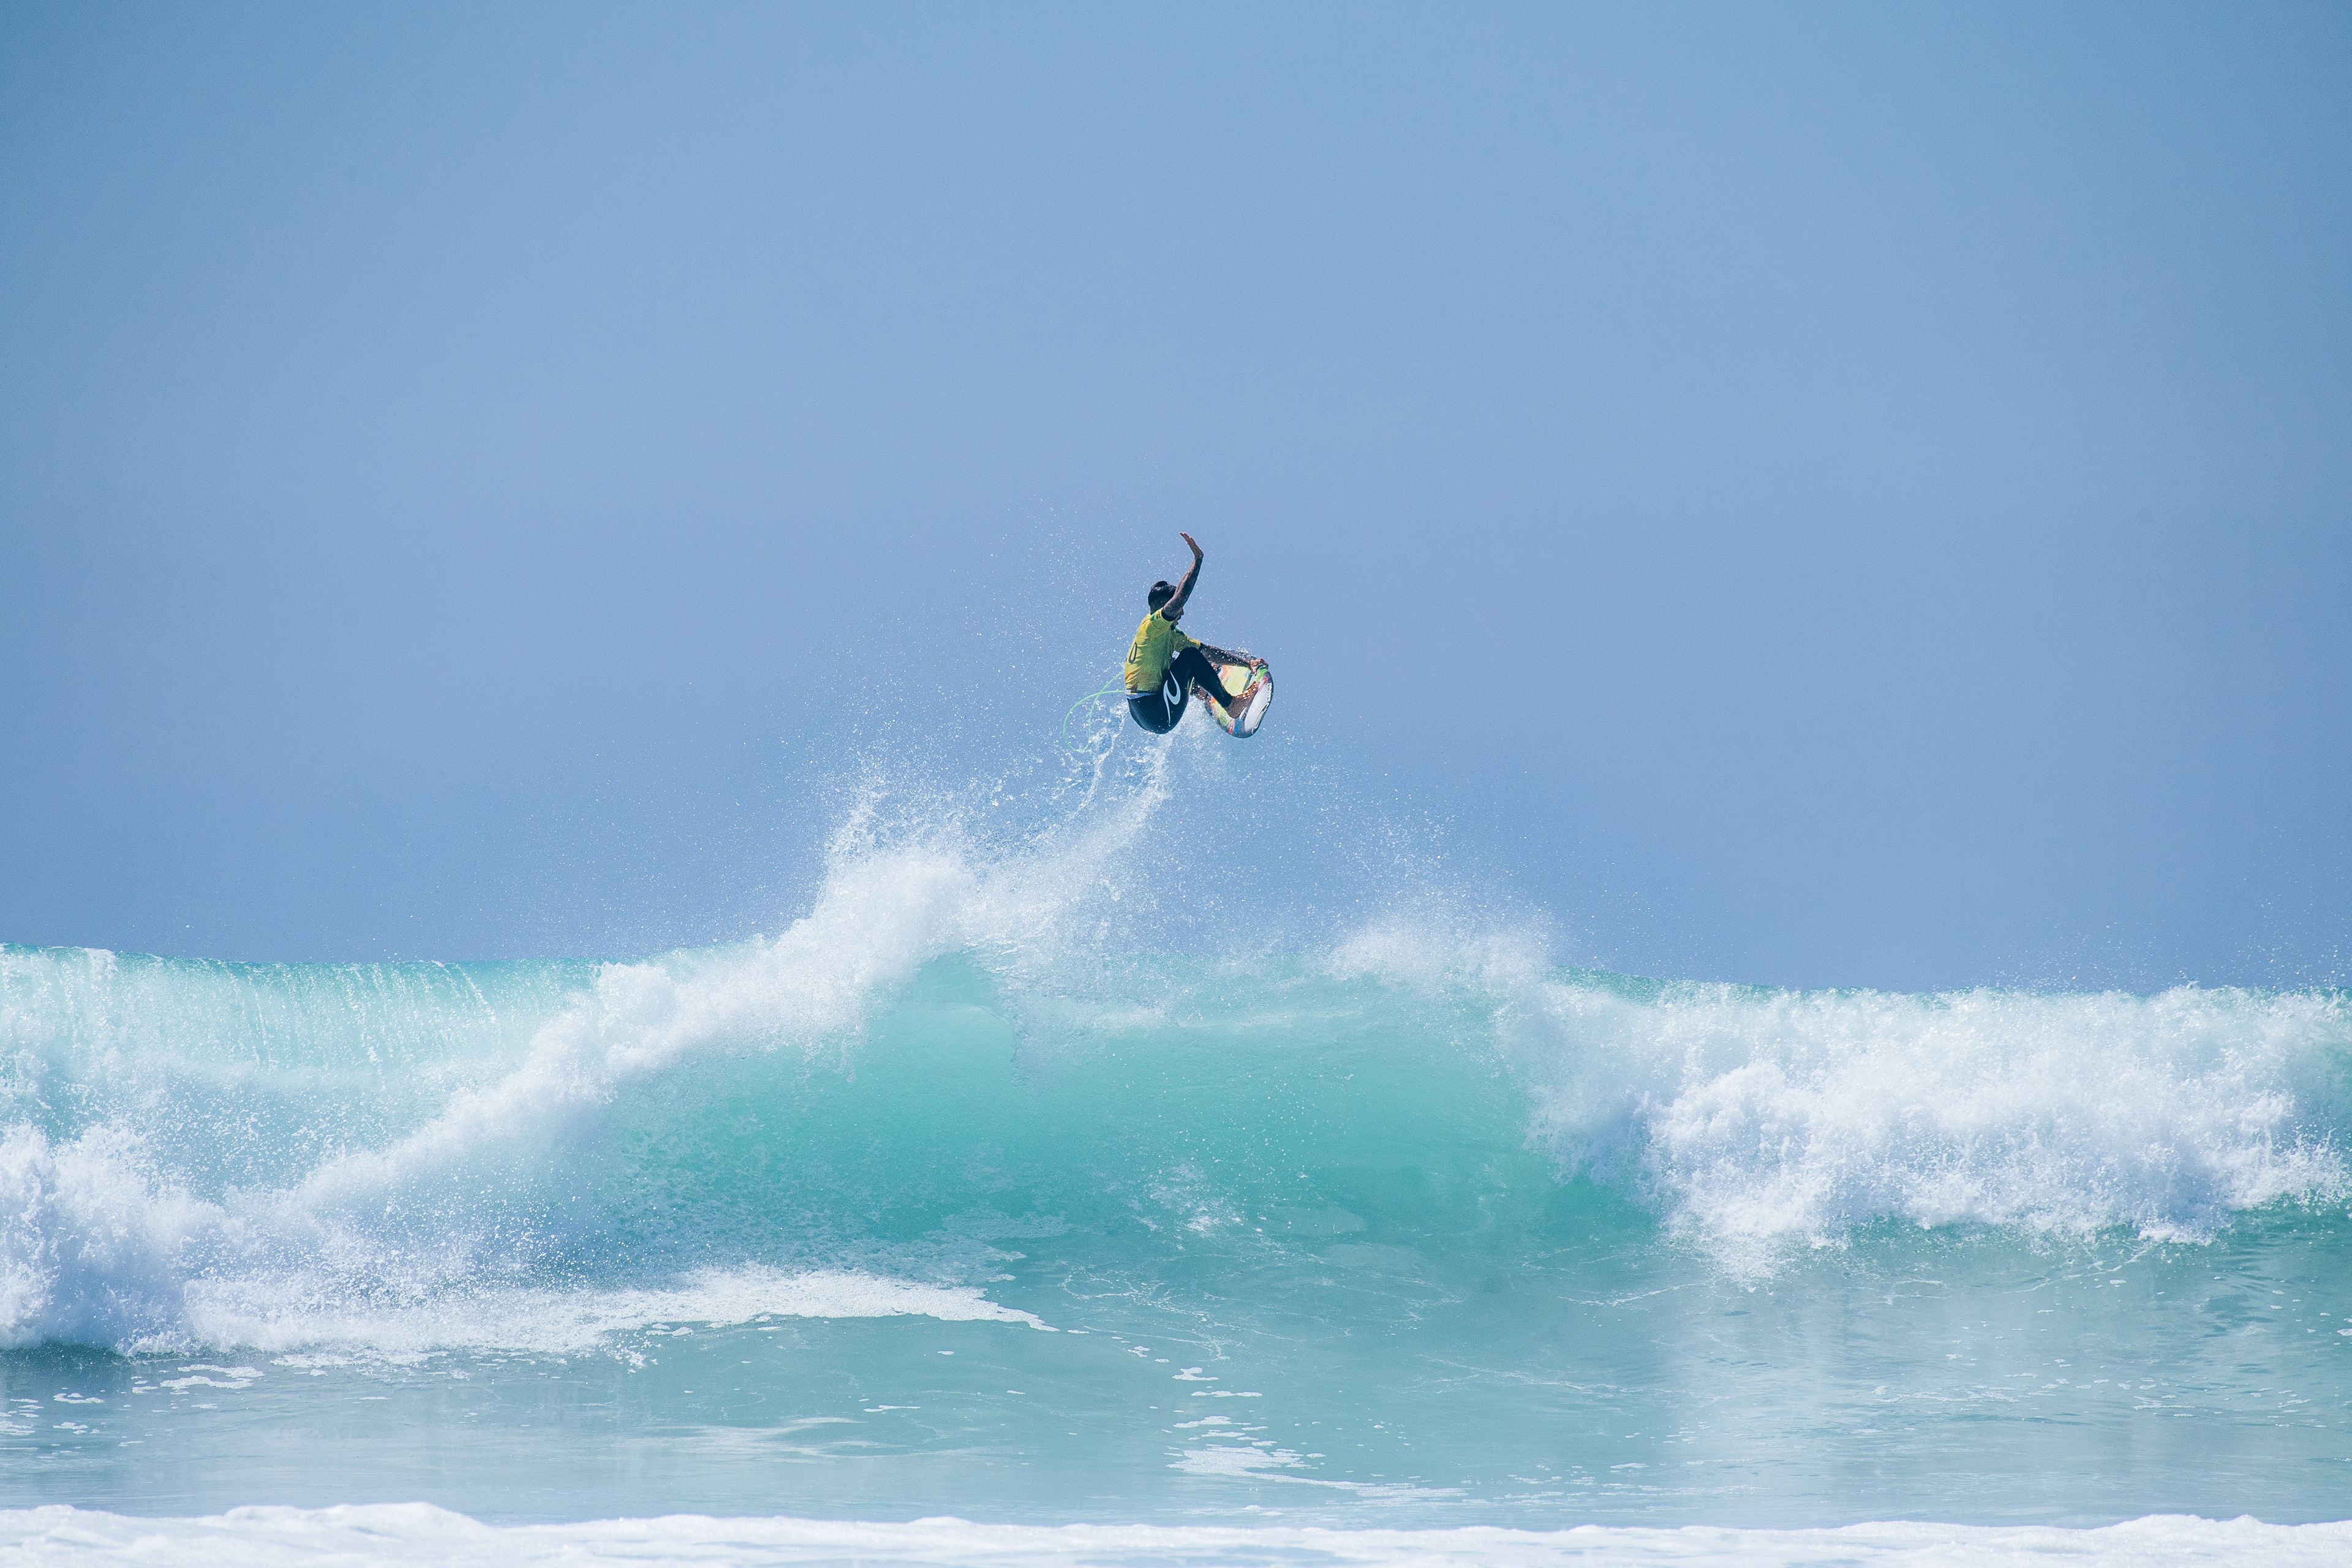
{"x":1163,"y":665}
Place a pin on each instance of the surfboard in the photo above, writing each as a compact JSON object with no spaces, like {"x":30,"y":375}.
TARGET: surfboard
{"x":1236,"y":677}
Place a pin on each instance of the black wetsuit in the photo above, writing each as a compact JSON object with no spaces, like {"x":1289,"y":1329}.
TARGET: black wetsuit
{"x":1159,"y":711}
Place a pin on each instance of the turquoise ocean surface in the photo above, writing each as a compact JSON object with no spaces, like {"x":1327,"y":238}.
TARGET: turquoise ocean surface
{"x":963,"y":1198}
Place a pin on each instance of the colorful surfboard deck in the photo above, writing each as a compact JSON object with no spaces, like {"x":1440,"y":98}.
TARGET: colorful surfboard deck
{"x":1236,"y":679}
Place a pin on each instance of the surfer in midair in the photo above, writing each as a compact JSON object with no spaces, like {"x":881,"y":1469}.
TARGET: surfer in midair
{"x":1163,"y":665}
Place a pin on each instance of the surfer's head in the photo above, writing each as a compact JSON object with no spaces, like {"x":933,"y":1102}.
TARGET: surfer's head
{"x":1162,"y":592}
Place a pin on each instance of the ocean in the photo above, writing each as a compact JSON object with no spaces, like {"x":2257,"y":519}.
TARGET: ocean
{"x":1086,"y":1209}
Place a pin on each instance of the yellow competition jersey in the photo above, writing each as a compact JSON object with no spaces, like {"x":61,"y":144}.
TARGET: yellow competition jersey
{"x":1157,"y":641}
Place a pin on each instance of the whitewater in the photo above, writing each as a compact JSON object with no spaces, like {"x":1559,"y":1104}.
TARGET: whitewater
{"x":1031,"y":1197}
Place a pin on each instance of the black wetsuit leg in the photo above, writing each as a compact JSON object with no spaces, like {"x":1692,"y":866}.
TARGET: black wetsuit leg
{"x":1192,"y":665}
{"x":1152,"y":710}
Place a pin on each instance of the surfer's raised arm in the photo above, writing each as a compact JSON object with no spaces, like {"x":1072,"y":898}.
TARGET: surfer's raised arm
{"x":1175,"y":605}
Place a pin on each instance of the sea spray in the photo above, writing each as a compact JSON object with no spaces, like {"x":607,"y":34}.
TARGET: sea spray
{"x":1736,"y":1116}
{"x":1405,"y":1224}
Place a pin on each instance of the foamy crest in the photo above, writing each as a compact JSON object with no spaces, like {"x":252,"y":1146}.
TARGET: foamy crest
{"x":883,"y":913}
{"x":96,"y":1247}
{"x":89,"y":1244}
{"x":1753,"y":1114}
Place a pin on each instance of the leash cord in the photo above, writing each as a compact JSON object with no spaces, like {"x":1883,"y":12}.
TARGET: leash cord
{"x":1081,"y":702}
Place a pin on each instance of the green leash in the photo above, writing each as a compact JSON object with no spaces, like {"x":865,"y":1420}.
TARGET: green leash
{"x":1081,"y":702}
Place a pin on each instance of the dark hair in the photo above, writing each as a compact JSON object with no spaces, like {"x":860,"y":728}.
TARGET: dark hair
{"x":1162,"y":592}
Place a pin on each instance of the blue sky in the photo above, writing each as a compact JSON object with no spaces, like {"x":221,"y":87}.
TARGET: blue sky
{"x":1818,"y":495}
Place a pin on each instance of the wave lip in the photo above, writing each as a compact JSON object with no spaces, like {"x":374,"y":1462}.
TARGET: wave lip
{"x":389,"y":1534}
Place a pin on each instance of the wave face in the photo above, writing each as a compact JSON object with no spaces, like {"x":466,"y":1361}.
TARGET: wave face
{"x":956,"y":1196}
{"x":186,"y":1136}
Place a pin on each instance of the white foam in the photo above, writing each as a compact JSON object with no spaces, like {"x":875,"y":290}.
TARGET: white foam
{"x":90,"y":1243}
{"x":884,"y":911}
{"x":1751,"y":1116}
{"x":394,"y":1533}
{"x":1744,"y":1115}
{"x":96,"y":1246}
{"x":556,"y":1321}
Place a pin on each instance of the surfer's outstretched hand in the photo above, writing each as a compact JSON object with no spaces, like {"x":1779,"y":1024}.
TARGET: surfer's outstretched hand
{"x":1175,"y":605}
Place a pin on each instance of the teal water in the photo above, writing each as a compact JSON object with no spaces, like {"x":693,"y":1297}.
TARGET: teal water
{"x":950,"y":1199}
